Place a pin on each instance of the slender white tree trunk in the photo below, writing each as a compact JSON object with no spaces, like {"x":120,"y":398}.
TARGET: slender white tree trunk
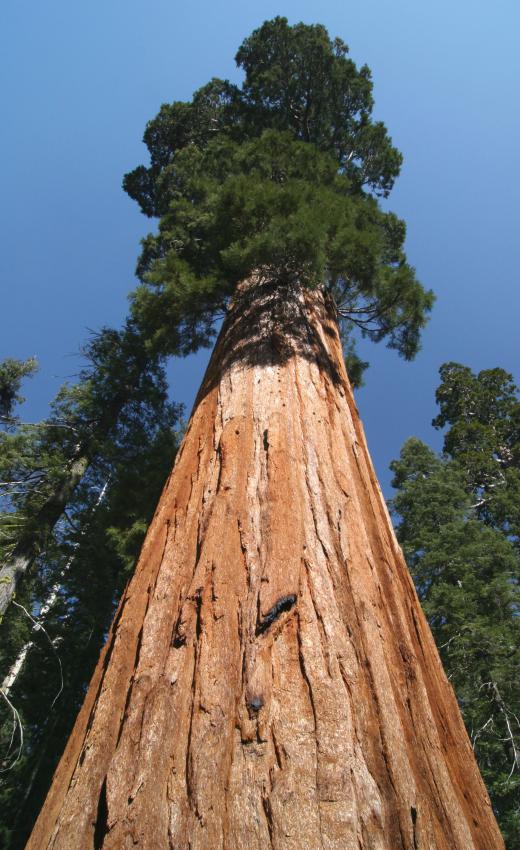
{"x":47,"y":606}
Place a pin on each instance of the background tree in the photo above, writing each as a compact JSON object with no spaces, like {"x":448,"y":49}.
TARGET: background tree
{"x":458,"y":525}
{"x":483,"y":415}
{"x":12,"y":373}
{"x":41,"y":466}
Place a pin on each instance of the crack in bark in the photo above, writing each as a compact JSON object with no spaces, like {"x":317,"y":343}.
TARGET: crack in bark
{"x":268,"y":812}
{"x":413,"y":814}
{"x":280,"y":754}
{"x":188,"y":772}
{"x":319,"y":619}
{"x":310,"y":491}
{"x":417,"y":632}
{"x":178,"y":638}
{"x":307,"y":681}
{"x":101,"y":828}
{"x":439,"y":798}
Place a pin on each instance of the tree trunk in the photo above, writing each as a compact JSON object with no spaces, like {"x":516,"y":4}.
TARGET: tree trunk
{"x":269,"y":680}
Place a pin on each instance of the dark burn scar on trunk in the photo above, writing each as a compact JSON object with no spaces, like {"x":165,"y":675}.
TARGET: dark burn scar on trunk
{"x":413,"y":813}
{"x":256,"y":703}
{"x":285,"y":603}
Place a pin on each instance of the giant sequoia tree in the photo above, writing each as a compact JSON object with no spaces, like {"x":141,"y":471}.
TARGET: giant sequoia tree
{"x":269,"y":679}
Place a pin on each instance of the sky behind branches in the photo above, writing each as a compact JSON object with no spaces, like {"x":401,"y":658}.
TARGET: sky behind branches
{"x":79,"y":81}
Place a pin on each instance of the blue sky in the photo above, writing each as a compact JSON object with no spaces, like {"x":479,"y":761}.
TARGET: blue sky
{"x":80,"y":80}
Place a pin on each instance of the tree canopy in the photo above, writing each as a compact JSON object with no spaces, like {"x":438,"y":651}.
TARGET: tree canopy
{"x":279,"y":177}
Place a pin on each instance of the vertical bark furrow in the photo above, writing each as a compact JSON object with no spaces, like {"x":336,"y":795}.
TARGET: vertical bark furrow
{"x":271,"y":681}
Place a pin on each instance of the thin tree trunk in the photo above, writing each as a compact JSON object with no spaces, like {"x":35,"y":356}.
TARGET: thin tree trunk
{"x":269,"y":680}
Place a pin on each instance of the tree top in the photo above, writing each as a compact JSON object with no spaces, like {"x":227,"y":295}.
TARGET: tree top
{"x":281,"y":174}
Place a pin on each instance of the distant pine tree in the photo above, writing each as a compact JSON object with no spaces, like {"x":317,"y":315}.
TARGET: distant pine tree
{"x":42,"y":465}
{"x":12,"y":373}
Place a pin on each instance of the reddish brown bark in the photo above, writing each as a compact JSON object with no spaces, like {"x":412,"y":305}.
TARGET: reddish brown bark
{"x":270,"y":679}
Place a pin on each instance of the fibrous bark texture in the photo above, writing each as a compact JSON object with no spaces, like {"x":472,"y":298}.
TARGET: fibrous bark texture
{"x":269,"y":680}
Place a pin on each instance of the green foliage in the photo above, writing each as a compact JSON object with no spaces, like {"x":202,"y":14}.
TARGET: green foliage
{"x":355,"y":365}
{"x":278,"y":177}
{"x":297,"y":79}
{"x":121,"y":387}
{"x":12,"y":373}
{"x":483,"y":415}
{"x":463,"y":553}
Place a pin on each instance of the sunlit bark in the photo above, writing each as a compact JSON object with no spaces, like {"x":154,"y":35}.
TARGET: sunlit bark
{"x":270,"y":680}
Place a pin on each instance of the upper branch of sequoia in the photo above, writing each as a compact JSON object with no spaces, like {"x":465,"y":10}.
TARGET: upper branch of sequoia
{"x":279,"y":176}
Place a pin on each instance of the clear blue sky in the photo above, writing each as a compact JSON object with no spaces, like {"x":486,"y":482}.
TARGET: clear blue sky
{"x":79,"y":81}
